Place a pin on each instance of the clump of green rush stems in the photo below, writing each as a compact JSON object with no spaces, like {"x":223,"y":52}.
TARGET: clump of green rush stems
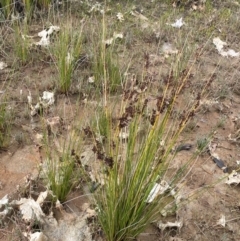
{"x":136,"y":165}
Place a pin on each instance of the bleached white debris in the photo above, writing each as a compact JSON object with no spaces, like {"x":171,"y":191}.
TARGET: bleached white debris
{"x":233,"y":178}
{"x":45,"y":35}
{"x":175,"y":239}
{"x":208,"y":102}
{"x":48,"y":98}
{"x":58,"y":205}
{"x":38,"y":236}
{"x":212,"y":149}
{"x":222,"y":221}
{"x":5,"y":209}
{"x":234,"y":139}
{"x":91,"y":79}
{"x":42,"y":196}
{"x":177,"y":224}
{"x":35,"y":109}
{"x":220,"y":45}
{"x":230,"y":53}
{"x":26,"y":37}
{"x":30,"y":210}
{"x":15,"y":17}
{"x":44,"y":102}
{"x":4,"y":201}
{"x":3,"y":65}
{"x":120,"y":17}
{"x":109,"y":41}
{"x":178,"y":24}
{"x":44,"y":41}
{"x":97,"y":7}
{"x":53,"y":29}
{"x":39,"y":137}
{"x":115,"y":36}
{"x":157,"y":189}
{"x":29,"y":98}
{"x":48,"y":31}
{"x":5,"y":213}
{"x":154,"y":193}
{"x":72,"y":227}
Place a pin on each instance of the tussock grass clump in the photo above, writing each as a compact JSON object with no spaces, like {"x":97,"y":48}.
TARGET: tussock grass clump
{"x":23,"y":8}
{"x":61,"y":169}
{"x":60,"y":175}
{"x":137,"y":163}
{"x":7,"y":6}
{"x":66,"y":52}
{"x":102,"y":122}
{"x":21,"y":44}
{"x":105,"y":64}
{"x":5,"y":123}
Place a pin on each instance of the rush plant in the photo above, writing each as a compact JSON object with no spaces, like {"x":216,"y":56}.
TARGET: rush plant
{"x":139,"y":163}
{"x":66,"y":52}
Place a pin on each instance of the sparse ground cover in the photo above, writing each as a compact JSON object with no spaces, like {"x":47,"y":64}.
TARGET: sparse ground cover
{"x":104,"y":105}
